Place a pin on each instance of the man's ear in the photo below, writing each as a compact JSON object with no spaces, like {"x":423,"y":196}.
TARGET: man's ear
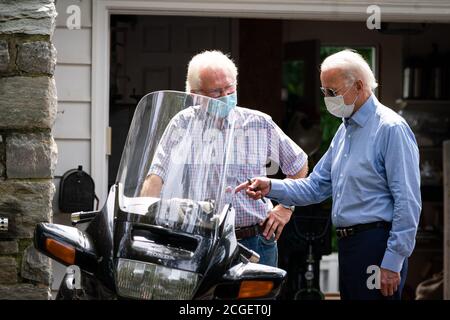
{"x":359,"y":85}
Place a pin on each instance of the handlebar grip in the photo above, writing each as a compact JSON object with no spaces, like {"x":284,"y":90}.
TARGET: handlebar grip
{"x":81,"y":216}
{"x":250,"y":255}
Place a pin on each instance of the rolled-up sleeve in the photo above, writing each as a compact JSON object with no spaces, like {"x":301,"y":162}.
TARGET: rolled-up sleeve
{"x":161,"y":159}
{"x":403,"y":177}
{"x":284,"y":151}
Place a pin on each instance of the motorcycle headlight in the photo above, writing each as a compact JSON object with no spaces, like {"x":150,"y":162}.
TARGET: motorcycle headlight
{"x":139,"y":280}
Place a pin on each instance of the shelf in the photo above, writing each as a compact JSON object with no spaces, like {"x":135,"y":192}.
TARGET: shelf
{"x":430,"y":242}
{"x":424,"y":105}
{"x":432,"y":193}
{"x":432,"y":185}
{"x":427,"y":250}
{"x":433,"y":202}
{"x":431,"y":239}
{"x":423,"y":101}
{"x":430,"y":148}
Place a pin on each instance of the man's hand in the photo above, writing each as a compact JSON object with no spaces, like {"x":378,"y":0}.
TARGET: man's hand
{"x":389,"y":281}
{"x":275,"y":222}
{"x":258,"y":188}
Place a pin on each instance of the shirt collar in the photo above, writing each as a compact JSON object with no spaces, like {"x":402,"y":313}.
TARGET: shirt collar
{"x":363,"y":114}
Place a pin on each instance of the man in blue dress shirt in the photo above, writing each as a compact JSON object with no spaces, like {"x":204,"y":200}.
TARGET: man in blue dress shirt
{"x":371,"y":170}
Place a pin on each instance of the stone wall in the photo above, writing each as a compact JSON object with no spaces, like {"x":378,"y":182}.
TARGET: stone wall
{"x":27,"y":150}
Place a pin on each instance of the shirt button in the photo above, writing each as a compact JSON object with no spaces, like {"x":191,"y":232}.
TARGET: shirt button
{"x":341,"y":175}
{"x":338,"y":195}
{"x":345,"y":155}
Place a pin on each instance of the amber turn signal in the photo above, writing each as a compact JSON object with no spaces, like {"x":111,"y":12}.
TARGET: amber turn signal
{"x":254,"y":289}
{"x":60,"y":250}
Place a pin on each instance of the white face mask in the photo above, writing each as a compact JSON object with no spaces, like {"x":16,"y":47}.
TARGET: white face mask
{"x":337,"y":107}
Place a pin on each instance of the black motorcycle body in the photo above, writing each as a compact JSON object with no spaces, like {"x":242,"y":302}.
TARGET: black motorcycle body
{"x":180,"y":244}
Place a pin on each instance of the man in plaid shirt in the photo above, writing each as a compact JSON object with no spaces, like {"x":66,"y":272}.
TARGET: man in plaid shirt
{"x":257,"y":139}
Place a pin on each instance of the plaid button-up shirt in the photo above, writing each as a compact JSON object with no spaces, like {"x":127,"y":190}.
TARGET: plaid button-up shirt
{"x":259,"y":148}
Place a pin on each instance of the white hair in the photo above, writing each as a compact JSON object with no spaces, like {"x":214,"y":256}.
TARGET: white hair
{"x":208,"y":59}
{"x":353,"y":65}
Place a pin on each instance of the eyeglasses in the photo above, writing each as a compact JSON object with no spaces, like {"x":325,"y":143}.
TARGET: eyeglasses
{"x":328,"y":92}
{"x":217,"y":93}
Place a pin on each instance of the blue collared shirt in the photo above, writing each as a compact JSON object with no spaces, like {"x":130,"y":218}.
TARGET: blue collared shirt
{"x":371,"y":170}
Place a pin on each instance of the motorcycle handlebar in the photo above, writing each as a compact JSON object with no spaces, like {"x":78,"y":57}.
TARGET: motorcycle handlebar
{"x":250,"y":255}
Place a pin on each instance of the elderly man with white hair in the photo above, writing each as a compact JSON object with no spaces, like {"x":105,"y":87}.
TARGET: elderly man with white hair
{"x":371,"y":170}
{"x":258,"y":224}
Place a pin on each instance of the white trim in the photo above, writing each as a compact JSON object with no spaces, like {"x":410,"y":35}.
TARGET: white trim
{"x":100,"y":98}
{"x":348,"y":10}
{"x":353,"y":10}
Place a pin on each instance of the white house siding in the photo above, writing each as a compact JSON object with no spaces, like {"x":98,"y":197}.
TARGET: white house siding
{"x":72,"y":129}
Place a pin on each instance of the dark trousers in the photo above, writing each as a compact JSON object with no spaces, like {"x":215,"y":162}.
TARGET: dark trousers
{"x":356,"y":254}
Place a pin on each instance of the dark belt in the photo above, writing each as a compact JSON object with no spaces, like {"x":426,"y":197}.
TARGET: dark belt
{"x":352,"y":230}
{"x":248,"y":232}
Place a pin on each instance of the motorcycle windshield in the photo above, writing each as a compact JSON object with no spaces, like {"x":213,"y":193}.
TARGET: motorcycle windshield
{"x":175,"y":166}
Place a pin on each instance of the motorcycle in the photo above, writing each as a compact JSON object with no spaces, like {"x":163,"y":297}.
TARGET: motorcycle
{"x":178,"y":243}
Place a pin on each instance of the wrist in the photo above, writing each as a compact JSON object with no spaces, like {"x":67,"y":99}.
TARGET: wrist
{"x":292,"y":208}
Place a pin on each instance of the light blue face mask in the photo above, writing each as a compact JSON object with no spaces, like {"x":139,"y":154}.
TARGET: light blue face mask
{"x":222,"y":110}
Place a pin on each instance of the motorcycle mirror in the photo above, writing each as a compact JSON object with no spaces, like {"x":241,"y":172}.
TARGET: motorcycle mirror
{"x":65,"y":244}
